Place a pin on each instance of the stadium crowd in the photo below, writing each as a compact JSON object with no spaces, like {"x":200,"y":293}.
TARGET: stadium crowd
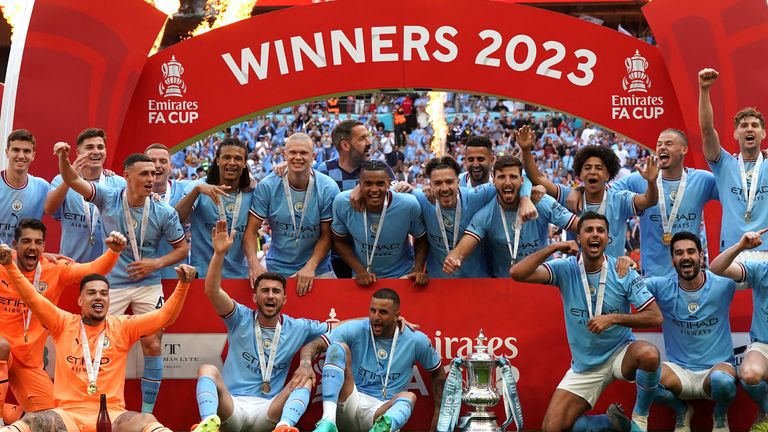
{"x":376,"y":205}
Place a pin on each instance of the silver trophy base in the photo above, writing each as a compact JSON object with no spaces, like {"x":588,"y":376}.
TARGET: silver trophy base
{"x":479,"y":422}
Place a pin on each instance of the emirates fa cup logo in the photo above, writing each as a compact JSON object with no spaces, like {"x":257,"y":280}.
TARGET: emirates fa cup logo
{"x":636,"y":80}
{"x":172,"y":84}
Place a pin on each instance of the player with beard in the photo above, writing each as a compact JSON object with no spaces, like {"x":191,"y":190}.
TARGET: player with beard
{"x":135,"y":280}
{"x":299,"y":208}
{"x":381,"y":248}
{"x":22,"y":337}
{"x":596,"y":166}
{"x":100,"y":342}
{"x":753,"y":370}
{"x":81,"y":232}
{"x":598,"y":322}
{"x":478,"y":160}
{"x":353,"y":142}
{"x":515,"y":239}
{"x":684,"y":192}
{"x":740,"y":178}
{"x":368,"y":365}
{"x":22,"y":195}
{"x":249,"y":395}
{"x":700,"y":363}
{"x":226,"y":194}
{"x":454,"y":202}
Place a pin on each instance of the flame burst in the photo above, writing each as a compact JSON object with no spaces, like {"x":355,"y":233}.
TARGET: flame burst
{"x":168,"y":7}
{"x":13,"y":11}
{"x":226,"y":12}
{"x":436,"y":112}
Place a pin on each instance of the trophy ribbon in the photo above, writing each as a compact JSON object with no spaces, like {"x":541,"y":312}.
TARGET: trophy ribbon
{"x":750,"y":193}
{"x":289,"y":200}
{"x":36,"y":283}
{"x":512,"y":406}
{"x":451,"y":403}
{"x":235,"y":212}
{"x":667,"y":222}
{"x":265,"y":366}
{"x":92,"y":367}
{"x":135,"y":247}
{"x":370,"y":254}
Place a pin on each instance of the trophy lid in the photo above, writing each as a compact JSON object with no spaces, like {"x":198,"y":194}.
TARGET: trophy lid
{"x":480,"y":350}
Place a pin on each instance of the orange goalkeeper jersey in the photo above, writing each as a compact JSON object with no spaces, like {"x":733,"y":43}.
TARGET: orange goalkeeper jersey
{"x":71,"y":379}
{"x":54,"y":277}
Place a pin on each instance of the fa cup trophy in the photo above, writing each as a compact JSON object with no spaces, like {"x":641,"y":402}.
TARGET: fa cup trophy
{"x":479,"y":393}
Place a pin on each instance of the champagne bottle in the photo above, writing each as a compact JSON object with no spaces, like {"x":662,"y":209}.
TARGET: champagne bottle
{"x":103,"y":424}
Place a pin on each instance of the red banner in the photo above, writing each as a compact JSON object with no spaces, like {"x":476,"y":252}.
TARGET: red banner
{"x":523,"y":322}
{"x":349,"y":46}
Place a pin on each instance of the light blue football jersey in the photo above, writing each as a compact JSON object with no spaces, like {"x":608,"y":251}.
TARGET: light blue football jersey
{"x":700,"y":188}
{"x":286,"y":255}
{"x":241,"y":372}
{"x":589,"y":350}
{"x":756,"y":276}
{"x":173,"y":194}
{"x":203,"y":220}
{"x":734,"y":199}
{"x":472,"y":200}
{"x":697,"y":329}
{"x":75,"y":227}
{"x":27,"y":201}
{"x":163,"y":226}
{"x":393,"y":257}
{"x":369,"y":367}
{"x":619,"y":206}
{"x":487,"y":226}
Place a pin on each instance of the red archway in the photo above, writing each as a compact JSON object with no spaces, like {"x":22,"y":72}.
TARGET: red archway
{"x":307,"y":53}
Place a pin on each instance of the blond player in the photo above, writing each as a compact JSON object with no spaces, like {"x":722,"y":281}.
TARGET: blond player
{"x":22,"y":336}
{"x":92,"y":349}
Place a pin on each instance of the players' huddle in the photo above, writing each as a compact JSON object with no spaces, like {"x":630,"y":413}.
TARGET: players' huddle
{"x":348,"y":218}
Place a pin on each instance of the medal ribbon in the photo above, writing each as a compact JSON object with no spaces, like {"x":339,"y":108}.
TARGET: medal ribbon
{"x":385,"y":378}
{"x":752,"y":191}
{"x":667,"y":222}
{"x":235,"y":213}
{"x":92,"y":367}
{"x":266,"y":366}
{"x":135,"y":247}
{"x":168,"y":193}
{"x":456,"y":222}
{"x":518,"y":227}
{"x":600,"y":209}
{"x":600,"y":287}
{"x":36,"y":282}
{"x":289,"y":200}
{"x":91,"y":219}
{"x":370,"y":254}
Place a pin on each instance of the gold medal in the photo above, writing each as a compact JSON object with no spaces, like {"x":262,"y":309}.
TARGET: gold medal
{"x":25,"y":337}
{"x":747,"y":216}
{"x":384,"y":393}
{"x":667,"y":238}
{"x":92,"y":388}
{"x":265,"y":388}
